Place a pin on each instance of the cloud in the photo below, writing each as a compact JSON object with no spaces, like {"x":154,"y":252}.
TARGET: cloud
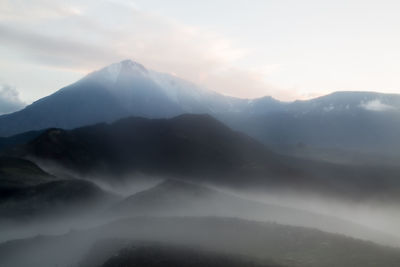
{"x":377,"y":105}
{"x":79,"y":36}
{"x":9,"y":99}
{"x":52,"y":51}
{"x":23,"y":10}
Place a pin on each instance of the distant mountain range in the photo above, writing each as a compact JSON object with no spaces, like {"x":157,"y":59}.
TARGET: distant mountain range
{"x":346,"y":120}
{"x":361,"y":121}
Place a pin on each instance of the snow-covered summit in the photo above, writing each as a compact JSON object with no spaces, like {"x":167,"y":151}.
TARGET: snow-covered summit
{"x":112,"y":72}
{"x":132,"y":79}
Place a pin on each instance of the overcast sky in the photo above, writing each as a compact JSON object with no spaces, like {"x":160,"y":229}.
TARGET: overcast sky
{"x":246,"y":48}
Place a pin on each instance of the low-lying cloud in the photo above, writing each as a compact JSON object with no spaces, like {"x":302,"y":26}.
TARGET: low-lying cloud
{"x":9,"y":99}
{"x":377,"y":105}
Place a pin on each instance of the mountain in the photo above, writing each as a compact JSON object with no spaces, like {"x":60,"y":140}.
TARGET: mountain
{"x":119,"y":90}
{"x":198,"y":148}
{"x":363,"y":121}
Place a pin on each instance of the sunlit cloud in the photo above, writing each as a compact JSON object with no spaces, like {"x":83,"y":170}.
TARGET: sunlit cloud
{"x":23,"y":11}
{"x":89,"y":42}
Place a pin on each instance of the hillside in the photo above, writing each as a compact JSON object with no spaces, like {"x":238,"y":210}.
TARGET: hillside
{"x":178,"y":198}
{"x":16,"y":172}
{"x":285,"y":245}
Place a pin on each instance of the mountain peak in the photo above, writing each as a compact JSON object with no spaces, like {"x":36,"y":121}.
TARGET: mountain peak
{"x":127,"y":66}
{"x":128,"y":63}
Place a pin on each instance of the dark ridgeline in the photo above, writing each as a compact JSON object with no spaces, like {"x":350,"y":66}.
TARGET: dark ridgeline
{"x":200,"y":148}
{"x":188,"y":146}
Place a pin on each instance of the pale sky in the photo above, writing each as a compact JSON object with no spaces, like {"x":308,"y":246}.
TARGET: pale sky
{"x":287,"y":49}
